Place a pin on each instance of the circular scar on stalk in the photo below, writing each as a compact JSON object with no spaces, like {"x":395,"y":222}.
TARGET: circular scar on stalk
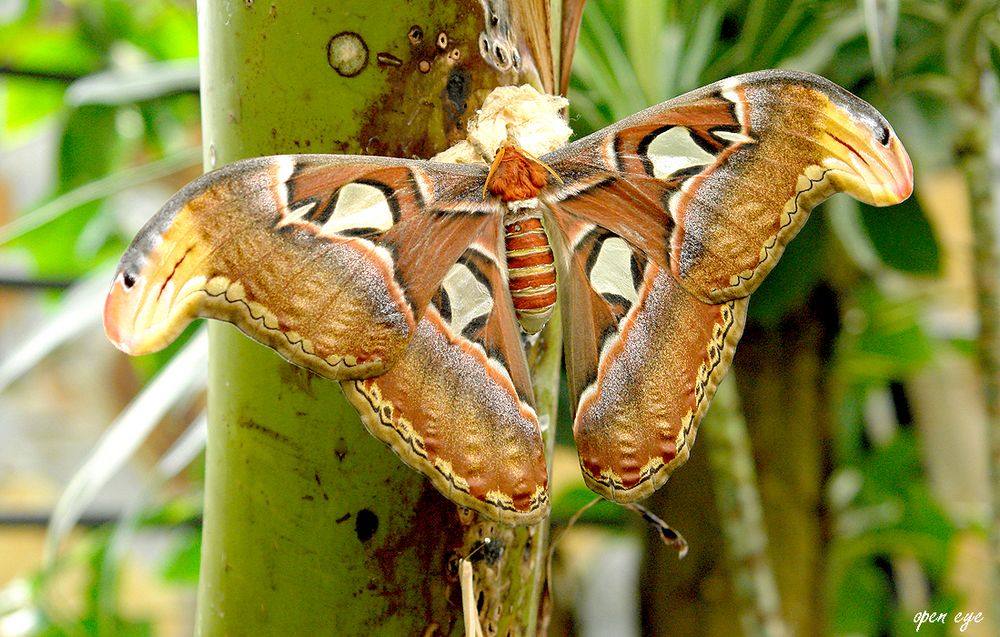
{"x":347,"y":53}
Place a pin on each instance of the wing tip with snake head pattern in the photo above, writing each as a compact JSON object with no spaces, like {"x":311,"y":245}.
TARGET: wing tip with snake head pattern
{"x":306,"y":254}
{"x":806,"y":138}
{"x":713,"y":184}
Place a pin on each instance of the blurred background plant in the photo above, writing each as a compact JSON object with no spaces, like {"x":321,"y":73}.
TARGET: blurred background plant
{"x":866,"y":382}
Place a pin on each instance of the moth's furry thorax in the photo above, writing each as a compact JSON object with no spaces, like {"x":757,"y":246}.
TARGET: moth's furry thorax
{"x":515,"y":176}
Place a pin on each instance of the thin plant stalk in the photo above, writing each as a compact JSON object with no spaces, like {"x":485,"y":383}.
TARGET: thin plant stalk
{"x":742,"y":516}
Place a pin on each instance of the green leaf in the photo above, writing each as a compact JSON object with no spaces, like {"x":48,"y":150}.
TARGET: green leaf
{"x":925,"y":123}
{"x":88,"y":147}
{"x":42,"y":60}
{"x":184,"y":561}
{"x":821,"y":53}
{"x":143,"y":82}
{"x":56,"y":247}
{"x":894,"y":471}
{"x":569,"y":502}
{"x":118,"y":443}
{"x":796,"y":25}
{"x":921,"y":41}
{"x":701,"y":42}
{"x":77,"y":312}
{"x":860,"y":600}
{"x":105,"y":22}
{"x":881,"y":17}
{"x":75,"y":199}
{"x":613,"y":75}
{"x":165,"y":30}
{"x":45,"y":48}
{"x":902,"y":236}
{"x":886,"y":341}
{"x":27,"y":101}
{"x":643,"y":36}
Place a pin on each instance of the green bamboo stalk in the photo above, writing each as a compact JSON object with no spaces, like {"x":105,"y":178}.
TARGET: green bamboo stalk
{"x":546,"y":363}
{"x":976,"y":149}
{"x":311,"y":525}
{"x":968,"y":58}
{"x":742,"y":516}
{"x":982,"y":173}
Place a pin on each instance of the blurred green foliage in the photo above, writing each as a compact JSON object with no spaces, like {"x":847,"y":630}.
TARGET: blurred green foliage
{"x":49,"y":52}
{"x":99,"y":614}
{"x":70,"y":71}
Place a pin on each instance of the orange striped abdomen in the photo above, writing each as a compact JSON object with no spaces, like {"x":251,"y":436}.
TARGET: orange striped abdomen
{"x":531,"y":272}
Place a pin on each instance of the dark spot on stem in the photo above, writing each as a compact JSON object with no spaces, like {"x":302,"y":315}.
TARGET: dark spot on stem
{"x":365,"y":525}
{"x":457,"y":90}
{"x":340,"y":448}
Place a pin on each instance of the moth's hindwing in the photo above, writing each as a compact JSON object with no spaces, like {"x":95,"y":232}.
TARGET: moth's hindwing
{"x":458,"y":405}
{"x":329,"y":260}
{"x":643,"y":359}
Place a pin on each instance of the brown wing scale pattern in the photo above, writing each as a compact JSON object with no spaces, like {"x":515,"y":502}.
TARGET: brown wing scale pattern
{"x":329,"y":260}
{"x":644,"y":360}
{"x":391,"y":276}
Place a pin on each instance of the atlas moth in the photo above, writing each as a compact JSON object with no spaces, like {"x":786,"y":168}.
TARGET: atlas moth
{"x":414,"y":283}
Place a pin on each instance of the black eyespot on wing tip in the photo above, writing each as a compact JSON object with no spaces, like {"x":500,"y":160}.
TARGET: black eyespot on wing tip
{"x":128,"y":280}
{"x":884,"y":135}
